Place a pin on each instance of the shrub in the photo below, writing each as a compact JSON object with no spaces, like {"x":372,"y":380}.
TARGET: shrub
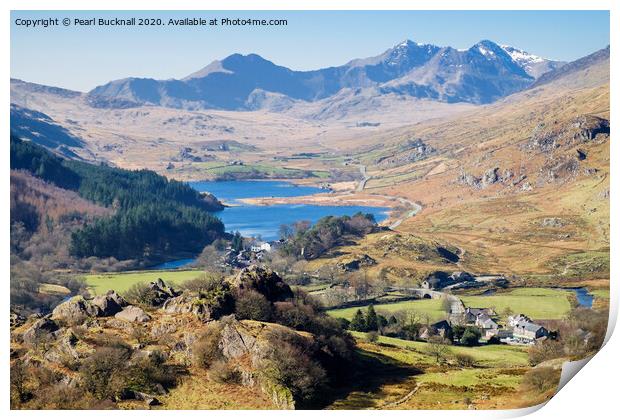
{"x":494,"y":340}
{"x":101,"y":372}
{"x":147,"y":372}
{"x":141,"y":294}
{"x":372,"y":336}
{"x":464,"y":360}
{"x":545,"y":350}
{"x":19,"y":390}
{"x":541,"y":379}
{"x":63,"y":397}
{"x":206,"y":349}
{"x":222,"y":372}
{"x":203,"y":283}
{"x":289,"y":364}
{"x":470,"y":337}
{"x":252,"y":305}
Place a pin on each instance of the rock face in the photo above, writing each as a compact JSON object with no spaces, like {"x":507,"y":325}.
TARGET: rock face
{"x":160,"y":292}
{"x":110,"y":303}
{"x":263,"y":281}
{"x":582,"y":129}
{"x":76,"y":309}
{"x":42,"y":329}
{"x":490,"y":177}
{"x":64,"y":349}
{"x":249,"y":349}
{"x":206,"y":307}
{"x":133,"y":314}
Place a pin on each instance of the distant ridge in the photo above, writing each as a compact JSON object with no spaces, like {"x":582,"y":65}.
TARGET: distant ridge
{"x":481,"y":74}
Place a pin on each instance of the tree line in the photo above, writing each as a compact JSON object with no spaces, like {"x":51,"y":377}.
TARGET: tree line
{"x":310,"y":242}
{"x":153,"y":216}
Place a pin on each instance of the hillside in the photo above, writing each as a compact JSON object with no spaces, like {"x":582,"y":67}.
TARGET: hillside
{"x":150,"y":217}
{"x":154,"y":346}
{"x":520,"y":186}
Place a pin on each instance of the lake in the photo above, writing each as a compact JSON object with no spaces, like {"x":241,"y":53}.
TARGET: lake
{"x":265,"y":221}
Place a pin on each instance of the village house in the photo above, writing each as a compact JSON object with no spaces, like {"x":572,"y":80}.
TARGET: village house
{"x":529,"y":332}
{"x":263,"y":246}
{"x":513,"y":320}
{"x":471,"y":314}
{"x":487,"y":326}
{"x":441,"y":329}
{"x":439,"y":279}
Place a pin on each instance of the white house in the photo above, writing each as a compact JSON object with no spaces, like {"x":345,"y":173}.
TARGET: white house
{"x":265,"y":246}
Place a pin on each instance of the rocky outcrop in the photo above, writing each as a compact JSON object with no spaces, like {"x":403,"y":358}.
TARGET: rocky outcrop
{"x":41,"y":330}
{"x":582,"y":129}
{"x":110,"y":303}
{"x":356,"y":262}
{"x":248,"y":346}
{"x":160,"y":292}
{"x":76,"y":310}
{"x":133,"y":314}
{"x":205,"y":307}
{"x":16,"y":319}
{"x":263,"y":281}
{"x":411,"y":151}
{"x":490,"y":177}
{"x":64,"y":350}
{"x":553,"y":222}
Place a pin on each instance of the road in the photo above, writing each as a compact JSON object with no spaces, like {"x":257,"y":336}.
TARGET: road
{"x":365,"y":178}
{"x":415,"y":207}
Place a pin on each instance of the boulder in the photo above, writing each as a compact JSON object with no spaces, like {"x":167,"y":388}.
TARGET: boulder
{"x":264,"y":281}
{"x":356,"y":262}
{"x":160,"y":292}
{"x":64,"y":349}
{"x":236,"y":341}
{"x":16,"y":319}
{"x":43,"y":329}
{"x":110,"y":303}
{"x":133,"y":314}
{"x":205,"y":307}
{"x":75,"y":310}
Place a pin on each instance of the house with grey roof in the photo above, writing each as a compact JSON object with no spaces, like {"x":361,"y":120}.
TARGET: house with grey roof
{"x":442,"y":329}
{"x":529,"y":331}
{"x":518,"y":319}
{"x":472,"y":314}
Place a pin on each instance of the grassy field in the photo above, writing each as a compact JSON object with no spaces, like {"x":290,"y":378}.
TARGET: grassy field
{"x":53,"y":289}
{"x":220,"y":168}
{"x":418,"y":353}
{"x":537,"y":303}
{"x":600,"y":293}
{"x":405,"y":375}
{"x":101,"y":283}
{"x":430,"y":307}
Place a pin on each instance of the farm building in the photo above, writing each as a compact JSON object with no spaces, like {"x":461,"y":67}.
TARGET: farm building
{"x":513,"y":320}
{"x":439,"y":279}
{"x":472,"y":314}
{"x":529,"y":331}
{"x":441,"y":329}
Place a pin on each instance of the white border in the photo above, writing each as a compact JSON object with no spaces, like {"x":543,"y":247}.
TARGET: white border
{"x":592,"y":395}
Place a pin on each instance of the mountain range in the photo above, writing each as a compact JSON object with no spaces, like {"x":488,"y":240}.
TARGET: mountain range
{"x":478,"y":75}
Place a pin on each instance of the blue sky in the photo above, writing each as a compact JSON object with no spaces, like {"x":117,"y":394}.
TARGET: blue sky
{"x":83,"y":57}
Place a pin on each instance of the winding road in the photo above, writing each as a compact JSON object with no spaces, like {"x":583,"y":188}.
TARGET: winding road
{"x":415,"y":207}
